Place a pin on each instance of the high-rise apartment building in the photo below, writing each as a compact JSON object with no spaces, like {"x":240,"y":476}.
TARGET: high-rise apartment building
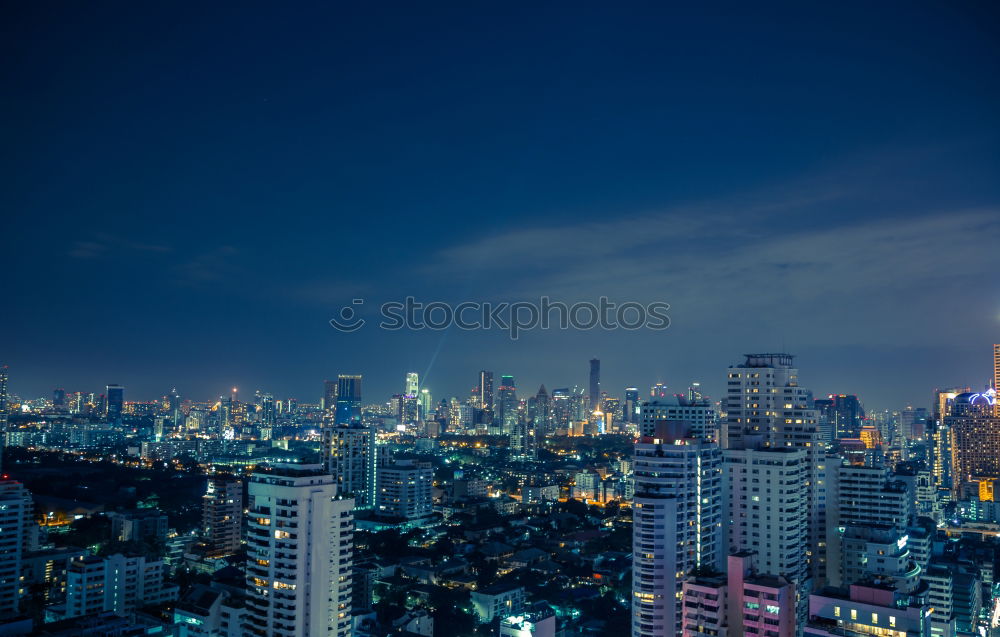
{"x":15,"y":517}
{"x":116,"y":583}
{"x":677,"y":524}
{"x":350,"y":456}
{"x":869,"y":515}
{"x":974,"y":430}
{"x":299,"y":554}
{"x":404,"y":490}
{"x":222,"y":515}
{"x":348,"y":402}
{"x":767,"y":409}
{"x":699,"y":415}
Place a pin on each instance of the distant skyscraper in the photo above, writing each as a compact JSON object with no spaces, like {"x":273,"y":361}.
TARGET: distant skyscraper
{"x":632,"y":405}
{"x":176,"y":415}
{"x":330,"y":396}
{"x":222,"y":515}
{"x":541,"y":415}
{"x":3,"y":392}
{"x":412,"y":384}
{"x":843,"y":413}
{"x":115,"y":403}
{"x":677,"y":524}
{"x":348,"y":399}
{"x":595,"y":383}
{"x":506,"y":405}
{"x":59,"y":398}
{"x":659,"y":390}
{"x":486,"y":391}
{"x":996,"y":371}
{"x":299,"y":553}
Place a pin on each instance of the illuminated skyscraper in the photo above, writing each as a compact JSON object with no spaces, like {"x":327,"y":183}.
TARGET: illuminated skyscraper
{"x":115,"y":403}
{"x":426,"y":403}
{"x":996,"y":371}
{"x":677,"y":524}
{"x":486,"y":391}
{"x":768,"y":413}
{"x":506,"y":405}
{"x":975,"y":438}
{"x":595,"y":383}
{"x":412,"y":384}
{"x":329,"y":396}
{"x":350,"y":456}
{"x":659,"y":390}
{"x":348,"y":403}
{"x":299,"y":554}
{"x":632,"y":405}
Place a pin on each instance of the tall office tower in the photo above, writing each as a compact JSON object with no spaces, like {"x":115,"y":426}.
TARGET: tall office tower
{"x":486,"y":391}
{"x":698,"y":414}
{"x":268,"y":411}
{"x":299,"y":553}
{"x":541,"y":413}
{"x":659,"y":390}
{"x":843,"y":413}
{"x":222,"y":515}
{"x":404,"y":490}
{"x":506,"y":405}
{"x":59,"y":398}
{"x":632,"y":405}
{"x":350,"y":456}
{"x":412,"y":386}
{"x":767,"y":409}
{"x":870,"y":511}
{"x":975,"y":441}
{"x":348,"y":403}
{"x":15,"y":519}
{"x":329,"y":397}
{"x":176,"y":416}
{"x":115,"y":403}
{"x":766,"y":497}
{"x":426,"y":403}
{"x":677,"y":524}
{"x":595,"y":383}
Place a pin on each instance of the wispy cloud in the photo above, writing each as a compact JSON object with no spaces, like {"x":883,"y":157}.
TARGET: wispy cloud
{"x":104,"y":245}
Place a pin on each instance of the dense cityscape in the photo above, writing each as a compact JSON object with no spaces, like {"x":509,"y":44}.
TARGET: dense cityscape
{"x":579,"y":510}
{"x":510,"y":319}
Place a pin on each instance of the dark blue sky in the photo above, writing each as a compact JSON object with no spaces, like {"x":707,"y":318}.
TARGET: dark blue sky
{"x":191,"y":192}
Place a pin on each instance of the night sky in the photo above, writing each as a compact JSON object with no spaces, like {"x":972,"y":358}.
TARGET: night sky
{"x":191,"y":190}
